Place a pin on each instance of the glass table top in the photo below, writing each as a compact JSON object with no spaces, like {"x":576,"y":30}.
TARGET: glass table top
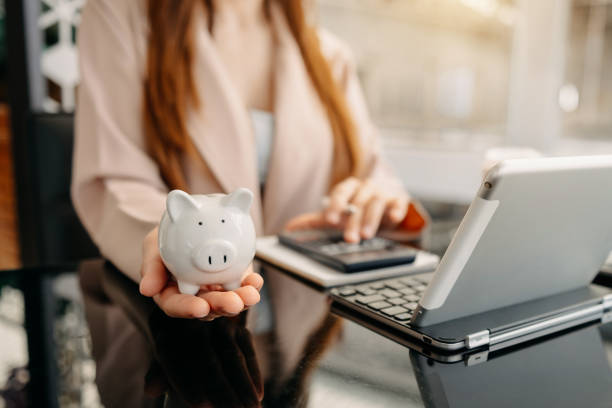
{"x":315,"y":358}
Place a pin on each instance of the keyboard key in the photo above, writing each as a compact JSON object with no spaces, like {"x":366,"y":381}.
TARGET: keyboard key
{"x":379,"y":305}
{"x":364,"y":300}
{"x":377,"y":285}
{"x":390,"y":293}
{"x":425,"y":279}
{"x":347,"y":291}
{"x":395,"y":310}
{"x":408,"y":281}
{"x":411,"y":306}
{"x":411,"y":298}
{"x":366,"y":291}
{"x":395,"y":285}
{"x":403,"y":316}
{"x":396,"y":301}
{"x":407,"y":291}
{"x":420,"y":288}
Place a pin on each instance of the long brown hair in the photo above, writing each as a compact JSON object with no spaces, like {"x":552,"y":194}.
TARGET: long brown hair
{"x":169,"y":86}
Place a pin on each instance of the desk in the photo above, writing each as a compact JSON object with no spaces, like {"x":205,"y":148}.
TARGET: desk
{"x":346,"y":365}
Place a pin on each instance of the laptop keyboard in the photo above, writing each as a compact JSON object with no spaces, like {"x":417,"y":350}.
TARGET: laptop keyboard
{"x":394,"y":299}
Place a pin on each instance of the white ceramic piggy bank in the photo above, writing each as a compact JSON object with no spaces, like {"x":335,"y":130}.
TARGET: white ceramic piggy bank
{"x":207,"y":239}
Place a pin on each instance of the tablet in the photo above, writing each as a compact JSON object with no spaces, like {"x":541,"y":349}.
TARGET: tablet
{"x":536,"y":228}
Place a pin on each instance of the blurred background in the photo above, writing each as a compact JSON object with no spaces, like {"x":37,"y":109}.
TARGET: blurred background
{"x":446,"y":81}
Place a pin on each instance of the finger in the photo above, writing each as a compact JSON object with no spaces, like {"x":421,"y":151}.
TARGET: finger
{"x":253,"y":279}
{"x":249,"y":295}
{"x":363,"y":195}
{"x":339,"y":199}
{"x":153,"y":270}
{"x":351,"y":230}
{"x":154,"y":276}
{"x":307,"y":221}
{"x":353,"y":224}
{"x":373,"y":215}
{"x":396,"y":210}
{"x":176,"y":304}
{"x":224,"y":303}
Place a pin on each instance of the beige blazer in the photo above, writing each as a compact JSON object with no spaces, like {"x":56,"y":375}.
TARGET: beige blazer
{"x":116,"y":187}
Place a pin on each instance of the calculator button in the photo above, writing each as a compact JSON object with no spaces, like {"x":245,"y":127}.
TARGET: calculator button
{"x":390,"y":293}
{"x":396,"y":301}
{"x":374,"y":244}
{"x":364,"y":300}
{"x":346,"y":248}
{"x":347,"y":291}
{"x":379,"y":305}
{"x":407,"y":291}
{"x":395,"y":310}
{"x":403,"y":316}
{"x":327,"y":249}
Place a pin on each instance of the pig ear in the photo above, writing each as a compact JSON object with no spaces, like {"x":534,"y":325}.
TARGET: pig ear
{"x":177,"y":202}
{"x":241,"y":198}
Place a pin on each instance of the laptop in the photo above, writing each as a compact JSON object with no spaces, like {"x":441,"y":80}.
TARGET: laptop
{"x":520,"y":265}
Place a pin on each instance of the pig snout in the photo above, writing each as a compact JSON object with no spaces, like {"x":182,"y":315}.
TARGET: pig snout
{"x":214,"y":255}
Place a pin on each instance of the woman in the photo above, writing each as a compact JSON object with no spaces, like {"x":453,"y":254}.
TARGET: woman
{"x":208,"y":96}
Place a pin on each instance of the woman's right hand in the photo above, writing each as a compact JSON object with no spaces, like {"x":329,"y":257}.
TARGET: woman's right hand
{"x":208,"y":304}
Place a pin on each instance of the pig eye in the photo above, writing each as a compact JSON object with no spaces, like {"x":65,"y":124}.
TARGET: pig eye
{"x":199,"y":222}
{"x":222,"y":220}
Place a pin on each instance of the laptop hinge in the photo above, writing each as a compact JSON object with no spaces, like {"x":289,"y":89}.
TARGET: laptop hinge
{"x":607,"y":308}
{"x":477,"y":339}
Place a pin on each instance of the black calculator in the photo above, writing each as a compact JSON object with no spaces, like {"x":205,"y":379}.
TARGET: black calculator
{"x":329,"y":248}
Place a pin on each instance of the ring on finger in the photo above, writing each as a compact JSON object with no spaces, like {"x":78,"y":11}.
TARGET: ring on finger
{"x":351,"y":209}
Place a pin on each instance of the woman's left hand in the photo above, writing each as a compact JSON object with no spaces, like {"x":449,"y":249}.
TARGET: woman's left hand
{"x":210,"y":302}
{"x":359,"y":208}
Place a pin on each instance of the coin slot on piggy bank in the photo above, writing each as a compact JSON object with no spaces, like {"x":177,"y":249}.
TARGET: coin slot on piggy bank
{"x":207,"y":239}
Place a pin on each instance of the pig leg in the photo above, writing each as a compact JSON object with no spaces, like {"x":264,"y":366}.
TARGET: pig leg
{"x":232,"y":285}
{"x":188,"y":288}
